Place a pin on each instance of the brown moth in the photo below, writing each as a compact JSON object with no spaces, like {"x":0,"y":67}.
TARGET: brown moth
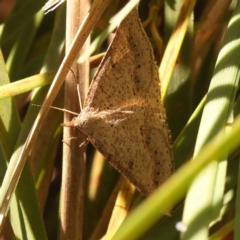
{"x":123,"y":115}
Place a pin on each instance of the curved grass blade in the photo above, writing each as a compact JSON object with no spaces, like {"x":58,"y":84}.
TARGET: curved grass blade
{"x":209,"y":185}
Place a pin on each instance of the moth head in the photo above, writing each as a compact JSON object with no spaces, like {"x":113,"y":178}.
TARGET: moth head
{"x":86,"y":120}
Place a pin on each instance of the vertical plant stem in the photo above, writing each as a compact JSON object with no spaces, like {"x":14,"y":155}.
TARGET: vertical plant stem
{"x":73,"y":156}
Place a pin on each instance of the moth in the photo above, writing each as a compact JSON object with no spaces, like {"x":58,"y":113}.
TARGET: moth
{"x":123,"y":116}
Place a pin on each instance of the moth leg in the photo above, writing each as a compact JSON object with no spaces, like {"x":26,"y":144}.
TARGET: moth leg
{"x":71,"y":138}
{"x":84,"y":143}
{"x":67,"y":141}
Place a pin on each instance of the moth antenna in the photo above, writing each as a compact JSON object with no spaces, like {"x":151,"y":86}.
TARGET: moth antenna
{"x":78,"y":90}
{"x":56,"y":108}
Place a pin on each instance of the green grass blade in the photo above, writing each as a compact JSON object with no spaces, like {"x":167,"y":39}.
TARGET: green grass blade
{"x":10,"y":122}
{"x":22,"y":45}
{"x":184,"y":144}
{"x":207,"y":191}
{"x":23,"y":219}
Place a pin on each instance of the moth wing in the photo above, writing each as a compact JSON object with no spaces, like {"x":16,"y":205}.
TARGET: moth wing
{"x":136,"y":146}
{"x":123,"y":115}
{"x":127,"y":74}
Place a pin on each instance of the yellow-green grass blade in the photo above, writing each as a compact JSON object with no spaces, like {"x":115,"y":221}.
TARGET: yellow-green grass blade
{"x":25,"y":85}
{"x":178,"y":98}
